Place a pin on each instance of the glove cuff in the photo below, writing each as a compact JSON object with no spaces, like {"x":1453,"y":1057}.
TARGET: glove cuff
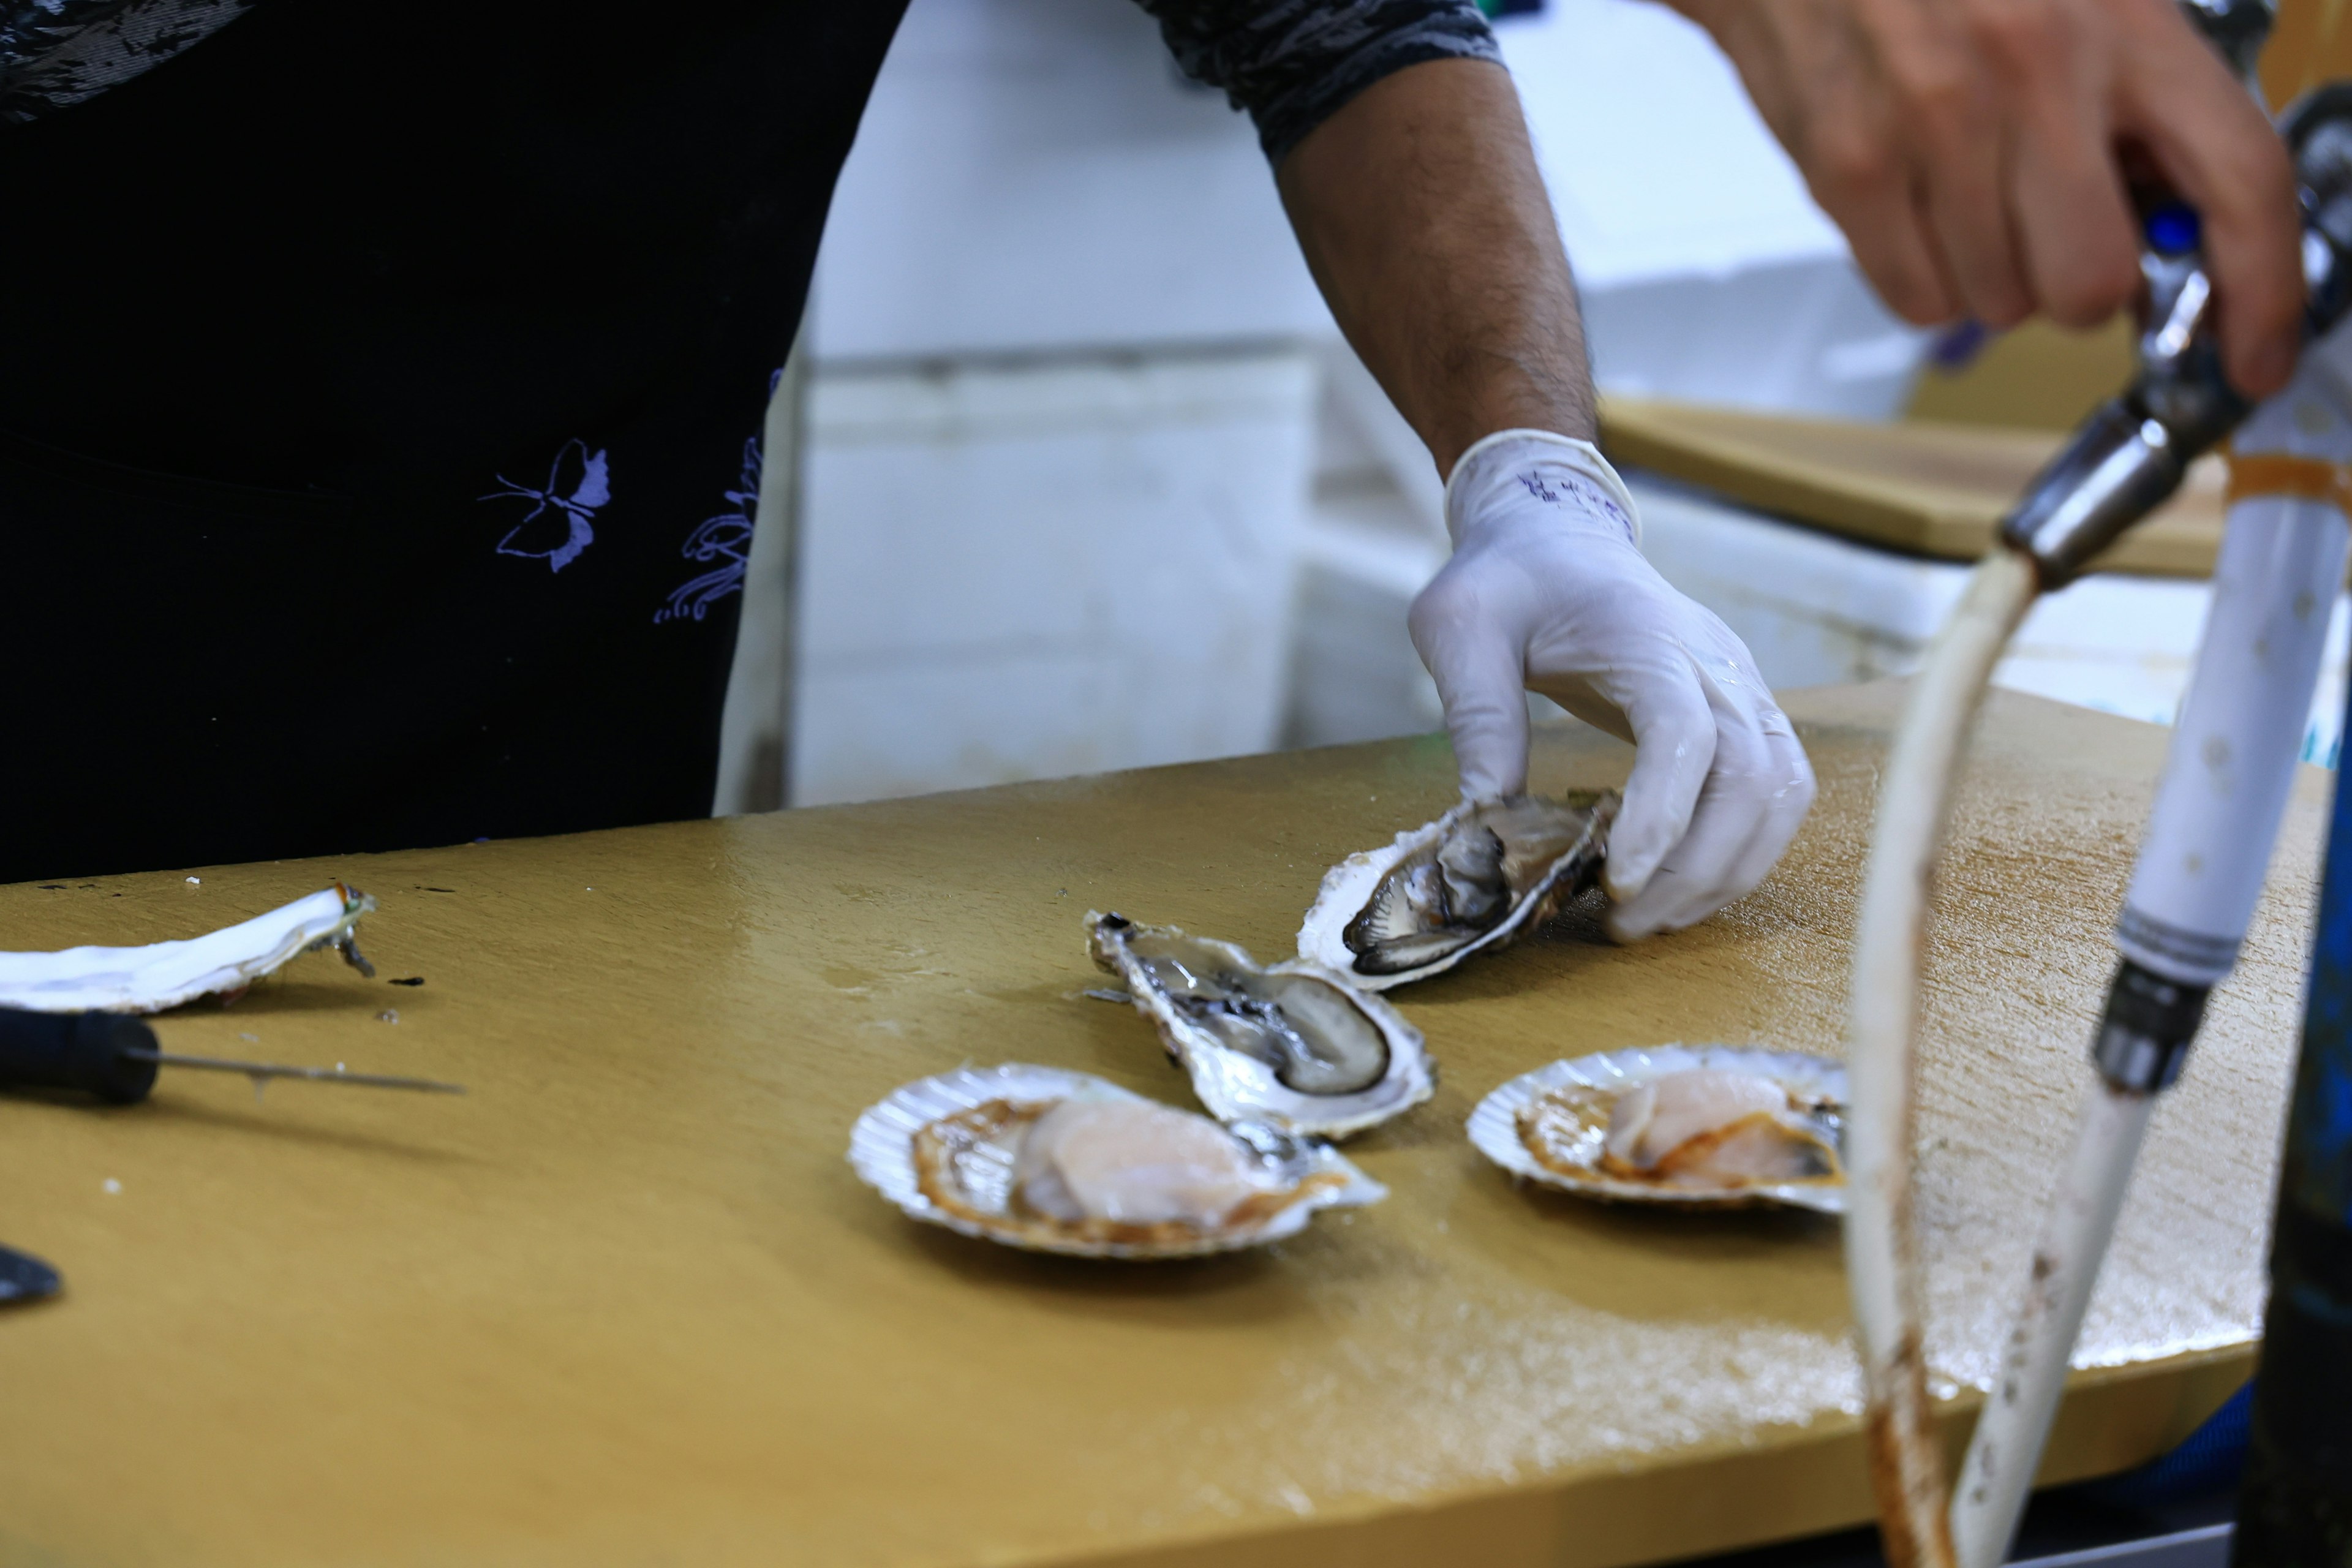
{"x":1558,"y":470}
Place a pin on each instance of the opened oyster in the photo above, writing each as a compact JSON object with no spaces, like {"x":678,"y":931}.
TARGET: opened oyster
{"x":1716,"y":1126}
{"x":1478,"y":876}
{"x":1059,"y":1162}
{"x":1292,"y":1043}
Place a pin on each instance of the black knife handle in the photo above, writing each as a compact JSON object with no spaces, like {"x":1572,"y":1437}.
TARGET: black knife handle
{"x":85,"y":1051}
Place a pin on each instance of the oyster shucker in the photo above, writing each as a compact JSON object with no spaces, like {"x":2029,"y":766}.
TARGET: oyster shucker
{"x":2229,"y":772}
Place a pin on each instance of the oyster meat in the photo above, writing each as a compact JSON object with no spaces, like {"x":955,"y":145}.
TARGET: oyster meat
{"x":1291,"y":1044}
{"x":1480,"y":876}
{"x":1061,"y":1161}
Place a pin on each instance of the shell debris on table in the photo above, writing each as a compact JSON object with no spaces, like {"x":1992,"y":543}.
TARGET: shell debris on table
{"x":1051,"y":1160}
{"x":1293,"y":1044}
{"x":1481,"y":876}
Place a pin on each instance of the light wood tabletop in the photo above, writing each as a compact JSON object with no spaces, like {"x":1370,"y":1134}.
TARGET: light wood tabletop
{"x":1920,"y":486}
{"x":626,"y":1303}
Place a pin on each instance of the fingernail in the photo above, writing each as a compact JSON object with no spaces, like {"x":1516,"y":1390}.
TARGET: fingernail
{"x":1625,"y":883}
{"x":1621,"y":931}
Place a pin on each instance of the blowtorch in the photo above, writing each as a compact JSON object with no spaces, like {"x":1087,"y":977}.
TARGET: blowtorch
{"x":2228,"y":774}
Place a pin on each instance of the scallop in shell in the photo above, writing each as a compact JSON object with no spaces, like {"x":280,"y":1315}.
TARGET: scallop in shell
{"x":1481,"y":876}
{"x":1291,"y":1044}
{"x":1712,"y":1126}
{"x":1051,"y":1160}
{"x":167,"y":974}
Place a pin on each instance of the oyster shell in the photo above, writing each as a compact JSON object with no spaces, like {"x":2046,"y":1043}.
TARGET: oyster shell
{"x":169,"y":973}
{"x":1293,"y":1045}
{"x":1713,"y":1126}
{"x":1479,"y":877}
{"x":1062,"y":1162}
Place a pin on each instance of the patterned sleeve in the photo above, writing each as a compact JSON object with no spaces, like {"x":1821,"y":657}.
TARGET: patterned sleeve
{"x":1292,"y":63}
{"x":56,"y":53}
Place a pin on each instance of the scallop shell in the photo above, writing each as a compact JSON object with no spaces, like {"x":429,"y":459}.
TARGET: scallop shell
{"x":1350,"y":888}
{"x":1494,"y":1124}
{"x":1235,"y":1085}
{"x":964,"y":1180}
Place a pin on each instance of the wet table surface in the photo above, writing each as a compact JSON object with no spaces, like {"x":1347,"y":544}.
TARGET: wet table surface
{"x":627,"y":1303}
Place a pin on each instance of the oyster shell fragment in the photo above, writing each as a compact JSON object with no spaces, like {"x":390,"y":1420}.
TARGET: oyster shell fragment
{"x":1713,"y":1126}
{"x":1291,"y":1044}
{"x":1479,"y":877}
{"x":169,"y":973}
{"x":1051,"y":1160}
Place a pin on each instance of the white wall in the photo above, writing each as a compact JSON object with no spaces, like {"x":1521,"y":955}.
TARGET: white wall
{"x":1035,"y":176}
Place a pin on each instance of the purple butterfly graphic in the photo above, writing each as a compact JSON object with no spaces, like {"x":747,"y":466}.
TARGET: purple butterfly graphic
{"x":726,"y":538}
{"x":556,"y":528}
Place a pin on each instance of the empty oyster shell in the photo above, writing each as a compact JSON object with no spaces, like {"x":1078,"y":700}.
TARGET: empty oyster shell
{"x":1478,"y":876}
{"x":1061,"y":1161}
{"x":170,"y":974}
{"x":1291,"y":1044}
{"x":1708,"y":1127}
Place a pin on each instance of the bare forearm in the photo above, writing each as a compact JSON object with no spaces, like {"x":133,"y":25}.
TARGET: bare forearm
{"x":1422,"y":215}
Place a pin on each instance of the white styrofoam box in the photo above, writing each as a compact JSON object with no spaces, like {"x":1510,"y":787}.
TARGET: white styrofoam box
{"x":1792,"y":337}
{"x":1034,"y":174}
{"x":1354,"y":676}
{"x":1658,"y":165}
{"x":1022,"y":570}
{"x":1708,"y":273}
{"x":1816,"y":608}
{"x":1037,"y":174}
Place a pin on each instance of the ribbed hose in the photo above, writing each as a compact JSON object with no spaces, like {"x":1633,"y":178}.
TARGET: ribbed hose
{"x":1880,"y":1250}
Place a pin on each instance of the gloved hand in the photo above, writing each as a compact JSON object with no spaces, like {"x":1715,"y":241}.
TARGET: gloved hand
{"x":1547,"y":590}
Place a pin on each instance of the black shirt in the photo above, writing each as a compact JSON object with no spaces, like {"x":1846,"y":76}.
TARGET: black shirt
{"x":379,"y":395}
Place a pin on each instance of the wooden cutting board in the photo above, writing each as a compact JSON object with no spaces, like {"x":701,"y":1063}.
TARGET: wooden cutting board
{"x":1931,"y":490}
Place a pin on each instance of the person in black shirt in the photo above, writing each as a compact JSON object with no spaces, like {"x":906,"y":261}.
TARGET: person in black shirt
{"x":375,"y":387}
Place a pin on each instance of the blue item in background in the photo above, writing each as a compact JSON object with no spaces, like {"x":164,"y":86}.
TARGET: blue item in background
{"x":2294,"y":1509}
{"x":2208,"y":1460}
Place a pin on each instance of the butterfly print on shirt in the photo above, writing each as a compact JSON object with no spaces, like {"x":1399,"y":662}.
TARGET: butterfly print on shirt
{"x":557,"y":528}
{"x":726,"y":538}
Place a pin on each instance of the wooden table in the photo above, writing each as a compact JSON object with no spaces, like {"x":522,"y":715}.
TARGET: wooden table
{"x":1919,"y":486}
{"x":626,"y":1303}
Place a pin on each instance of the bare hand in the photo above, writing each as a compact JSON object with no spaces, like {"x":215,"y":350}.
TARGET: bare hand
{"x":1974,"y":152}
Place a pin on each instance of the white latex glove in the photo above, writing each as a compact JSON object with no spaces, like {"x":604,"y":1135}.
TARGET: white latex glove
{"x":1547,"y":590}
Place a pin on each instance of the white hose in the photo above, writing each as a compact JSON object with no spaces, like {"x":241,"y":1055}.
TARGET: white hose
{"x":2006,"y":1449}
{"x":1880,"y":1250}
